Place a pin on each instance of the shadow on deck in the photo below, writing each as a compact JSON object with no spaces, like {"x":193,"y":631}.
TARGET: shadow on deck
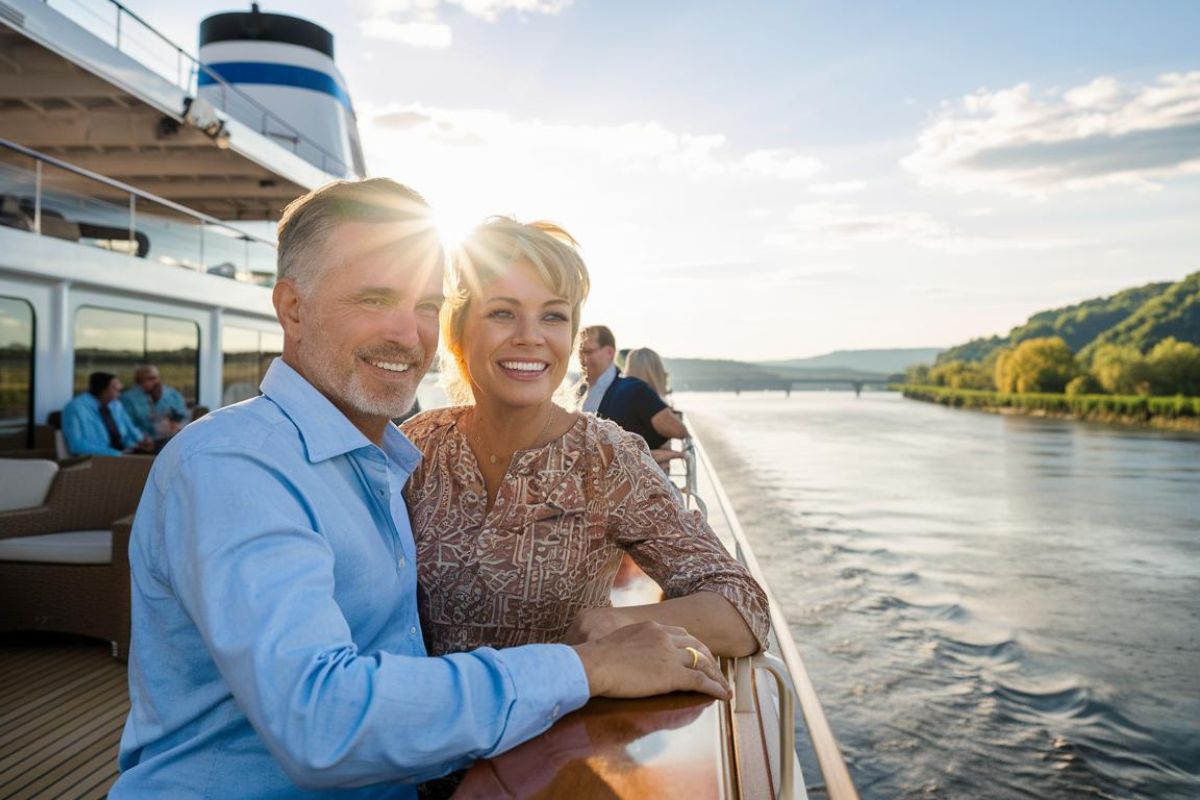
{"x":63,"y":702}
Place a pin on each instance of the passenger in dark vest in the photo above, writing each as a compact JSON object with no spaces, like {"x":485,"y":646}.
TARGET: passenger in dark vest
{"x":629,"y":402}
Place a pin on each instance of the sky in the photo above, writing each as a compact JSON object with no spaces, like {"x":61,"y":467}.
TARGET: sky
{"x":759,"y":180}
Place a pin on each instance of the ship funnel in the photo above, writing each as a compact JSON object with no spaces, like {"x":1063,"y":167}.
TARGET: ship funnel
{"x":287,"y":85}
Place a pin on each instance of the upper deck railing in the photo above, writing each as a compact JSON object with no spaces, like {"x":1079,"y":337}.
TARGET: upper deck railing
{"x":132,"y":35}
{"x":50,"y":197}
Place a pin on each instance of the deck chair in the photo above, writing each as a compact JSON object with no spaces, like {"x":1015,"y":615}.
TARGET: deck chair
{"x":64,"y":538}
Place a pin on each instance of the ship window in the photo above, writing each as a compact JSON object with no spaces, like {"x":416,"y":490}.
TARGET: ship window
{"x":16,"y":373}
{"x":246,"y":355}
{"x":173,"y":345}
{"x":117,"y":341}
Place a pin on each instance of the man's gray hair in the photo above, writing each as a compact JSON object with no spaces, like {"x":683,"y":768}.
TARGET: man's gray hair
{"x":308,"y":220}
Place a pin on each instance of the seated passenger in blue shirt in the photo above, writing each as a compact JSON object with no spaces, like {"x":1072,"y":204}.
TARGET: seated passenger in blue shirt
{"x":155,"y":408}
{"x":276,"y":646}
{"x":95,"y":423}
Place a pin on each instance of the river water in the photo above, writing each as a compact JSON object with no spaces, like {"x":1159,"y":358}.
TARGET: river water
{"x":989,"y":606}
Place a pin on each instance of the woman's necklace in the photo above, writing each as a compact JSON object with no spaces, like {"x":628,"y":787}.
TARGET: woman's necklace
{"x":473,"y":433}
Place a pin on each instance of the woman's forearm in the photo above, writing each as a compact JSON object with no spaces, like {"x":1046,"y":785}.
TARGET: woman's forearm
{"x":664,"y":455}
{"x":706,"y":615}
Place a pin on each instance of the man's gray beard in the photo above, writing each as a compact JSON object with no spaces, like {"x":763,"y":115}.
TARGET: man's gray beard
{"x":355,"y":395}
{"x":351,"y":392}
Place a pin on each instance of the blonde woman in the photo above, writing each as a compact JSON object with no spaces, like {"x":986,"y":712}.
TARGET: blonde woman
{"x":522,"y":509}
{"x":646,"y":365}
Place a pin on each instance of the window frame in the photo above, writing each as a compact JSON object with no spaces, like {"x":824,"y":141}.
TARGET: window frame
{"x":33,"y":340}
{"x":145,"y":325}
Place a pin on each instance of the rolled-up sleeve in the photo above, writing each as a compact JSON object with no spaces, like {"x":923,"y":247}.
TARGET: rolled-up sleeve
{"x":249,"y":564}
{"x":672,"y":544}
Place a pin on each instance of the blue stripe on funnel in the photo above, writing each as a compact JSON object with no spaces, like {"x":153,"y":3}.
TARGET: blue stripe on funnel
{"x":236,"y":72}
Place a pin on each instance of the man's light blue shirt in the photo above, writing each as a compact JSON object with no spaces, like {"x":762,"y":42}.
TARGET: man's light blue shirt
{"x":143,"y":410}
{"x":595,"y":392}
{"x":276,"y":645}
{"x":84,"y":429}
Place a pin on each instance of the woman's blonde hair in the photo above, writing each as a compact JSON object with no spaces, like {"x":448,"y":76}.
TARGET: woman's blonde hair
{"x":644,"y":364}
{"x":487,"y":253}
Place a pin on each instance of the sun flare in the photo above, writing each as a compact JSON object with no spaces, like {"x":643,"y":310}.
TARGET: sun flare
{"x":454,"y":223}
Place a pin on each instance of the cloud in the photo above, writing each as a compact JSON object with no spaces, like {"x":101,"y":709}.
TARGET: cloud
{"x":1103,"y":133}
{"x":782,"y":164}
{"x":490,"y":10}
{"x":838,"y":187}
{"x":634,"y":147}
{"x":418,"y":23}
{"x":415,"y":34}
{"x":829,"y":226}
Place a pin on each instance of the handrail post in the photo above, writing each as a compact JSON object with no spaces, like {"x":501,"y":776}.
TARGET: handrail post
{"x":745,"y":701}
{"x":133,"y":223}
{"x":37,"y":196}
{"x":200,"y":266}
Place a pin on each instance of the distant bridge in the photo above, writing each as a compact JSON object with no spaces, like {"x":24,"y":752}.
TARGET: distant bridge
{"x":856,"y":384}
{"x":785,"y":385}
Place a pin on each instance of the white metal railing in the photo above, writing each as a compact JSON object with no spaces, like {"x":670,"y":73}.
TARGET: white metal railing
{"x":132,"y":35}
{"x":833,"y":768}
{"x":186,"y":238}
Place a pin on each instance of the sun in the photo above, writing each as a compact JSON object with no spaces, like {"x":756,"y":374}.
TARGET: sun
{"x":454,"y":223}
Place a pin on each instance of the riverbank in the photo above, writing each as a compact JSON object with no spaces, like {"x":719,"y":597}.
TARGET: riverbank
{"x":1169,"y":413}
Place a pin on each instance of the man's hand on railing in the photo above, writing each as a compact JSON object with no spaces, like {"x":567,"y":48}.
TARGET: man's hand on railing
{"x":648,"y":659}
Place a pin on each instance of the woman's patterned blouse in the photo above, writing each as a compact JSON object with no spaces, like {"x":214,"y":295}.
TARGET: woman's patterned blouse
{"x":551,"y":544}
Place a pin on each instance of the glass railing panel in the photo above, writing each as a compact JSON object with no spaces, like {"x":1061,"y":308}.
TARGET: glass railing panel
{"x":88,"y":210}
{"x":260,"y":262}
{"x":118,"y":28}
{"x":98,"y":18}
{"x":77,"y":208}
{"x":168,"y":237}
{"x":140,"y":41}
{"x":18,"y":190}
{"x":224,"y":252}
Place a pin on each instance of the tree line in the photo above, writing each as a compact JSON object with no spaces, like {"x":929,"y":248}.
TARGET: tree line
{"x":1047,"y":365}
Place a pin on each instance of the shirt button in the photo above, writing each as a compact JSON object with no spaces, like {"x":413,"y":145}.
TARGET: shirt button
{"x":412,"y":631}
{"x":400,"y":562}
{"x":557,"y":709}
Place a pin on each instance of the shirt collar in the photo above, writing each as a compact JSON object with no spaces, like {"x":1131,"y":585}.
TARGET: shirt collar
{"x":324,"y":429}
{"x":94,"y":401}
{"x":596,"y":391}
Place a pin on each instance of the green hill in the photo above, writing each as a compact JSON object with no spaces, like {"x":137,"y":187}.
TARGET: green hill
{"x":872,"y":361}
{"x":1174,"y":312}
{"x":1142,"y":316}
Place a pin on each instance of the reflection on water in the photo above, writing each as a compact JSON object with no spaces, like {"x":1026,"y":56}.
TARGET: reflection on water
{"x":990,"y":606}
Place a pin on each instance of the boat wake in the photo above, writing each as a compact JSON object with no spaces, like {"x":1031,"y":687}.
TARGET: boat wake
{"x":932,"y":692}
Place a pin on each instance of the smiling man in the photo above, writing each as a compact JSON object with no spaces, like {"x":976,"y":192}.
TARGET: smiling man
{"x":276,"y":644}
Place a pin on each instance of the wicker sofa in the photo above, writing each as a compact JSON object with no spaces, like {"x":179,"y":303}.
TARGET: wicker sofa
{"x":64,"y":561}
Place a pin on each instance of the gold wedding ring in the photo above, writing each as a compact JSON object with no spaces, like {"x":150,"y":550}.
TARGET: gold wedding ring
{"x":695,"y":656}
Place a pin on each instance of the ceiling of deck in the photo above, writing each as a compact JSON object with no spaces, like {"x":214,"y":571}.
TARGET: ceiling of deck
{"x":51,"y":105}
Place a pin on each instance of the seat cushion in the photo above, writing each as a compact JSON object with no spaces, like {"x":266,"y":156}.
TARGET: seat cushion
{"x":71,"y":547}
{"x":24,"y":482}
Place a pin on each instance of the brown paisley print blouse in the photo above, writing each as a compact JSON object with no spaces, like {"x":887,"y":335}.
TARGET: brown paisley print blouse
{"x":551,"y":545}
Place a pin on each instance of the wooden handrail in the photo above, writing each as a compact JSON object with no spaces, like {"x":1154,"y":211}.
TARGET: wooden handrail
{"x":836,"y":775}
